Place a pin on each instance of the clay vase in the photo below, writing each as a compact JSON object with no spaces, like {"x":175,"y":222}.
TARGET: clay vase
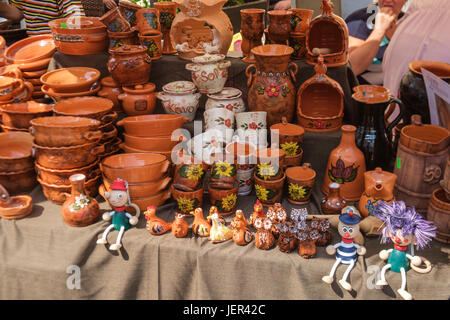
{"x":269,"y":192}
{"x":79,"y":209}
{"x":138,"y":100}
{"x":111,"y":90}
{"x":189,"y":173}
{"x":439,"y":213}
{"x":223,"y":171}
{"x":224,"y":199}
{"x":128,"y":11}
{"x":297,"y":42}
{"x":300,"y":20}
{"x":180,"y":227}
{"x":129,"y":65}
{"x":333,"y":203}
{"x":279,"y":26}
{"x":300,"y":183}
{"x":118,"y":39}
{"x":287,"y":136}
{"x":187,"y":201}
{"x":114,"y":21}
{"x":167,"y":12}
{"x":346,"y":166}
{"x":379,"y":186}
{"x":271,"y":86}
{"x":252,"y":30}
{"x":148,"y":21}
{"x":153,"y":44}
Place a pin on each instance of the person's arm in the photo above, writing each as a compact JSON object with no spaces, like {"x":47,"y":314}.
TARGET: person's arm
{"x":110,"y":4}
{"x":362,"y":52}
{"x":283,"y":5}
{"x":10,"y":12}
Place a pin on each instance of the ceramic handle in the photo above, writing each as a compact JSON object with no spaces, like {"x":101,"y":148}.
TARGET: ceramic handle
{"x":102,"y":94}
{"x":109,"y":135}
{"x":392,"y":125}
{"x":93,"y":173}
{"x":293,"y":72}
{"x":109,"y":117}
{"x":192,"y":67}
{"x":32,"y":131}
{"x":122,"y":96}
{"x":249,"y":74}
{"x":284,"y":120}
{"x":30,"y":88}
{"x":307,"y":165}
{"x":92,"y":135}
{"x":164,"y":184}
{"x":162,"y":96}
{"x":224,"y":64}
{"x":166,"y":166}
{"x":120,"y":123}
{"x":97,"y":150}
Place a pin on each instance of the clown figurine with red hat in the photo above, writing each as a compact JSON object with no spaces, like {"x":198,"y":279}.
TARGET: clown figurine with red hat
{"x":347,"y":250}
{"x":119,"y":198}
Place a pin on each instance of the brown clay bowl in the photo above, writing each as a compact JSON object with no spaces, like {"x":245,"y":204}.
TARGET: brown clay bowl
{"x":135,"y":167}
{"x":152,"y":125}
{"x":19,"y":207}
{"x":12,"y":129}
{"x":187,"y":201}
{"x":142,"y":190}
{"x":58,"y":193}
{"x":300,"y":183}
{"x":67,"y":157}
{"x":128,"y":149}
{"x":269,"y":191}
{"x":35,"y":65}
{"x":61,"y":177}
{"x":18,"y":181}
{"x":35,"y":82}
{"x":15,"y":151}
{"x":225,"y":200}
{"x":30,"y":49}
{"x":163,"y":143}
{"x":89,"y":107}
{"x":112,"y":144}
{"x":71,"y":80}
{"x":34,"y":74}
{"x":58,"y":96}
{"x":60,"y":131}
{"x":19,"y":115}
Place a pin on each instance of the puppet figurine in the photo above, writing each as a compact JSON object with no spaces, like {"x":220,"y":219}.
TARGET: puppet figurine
{"x":118,"y":198}
{"x":404,"y":227}
{"x":156,"y":226}
{"x":347,"y":250}
{"x":219,"y":231}
{"x":258,"y":212}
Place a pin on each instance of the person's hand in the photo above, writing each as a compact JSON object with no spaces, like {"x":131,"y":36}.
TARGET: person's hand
{"x":283,"y":5}
{"x":110,"y":4}
{"x":385,"y":19}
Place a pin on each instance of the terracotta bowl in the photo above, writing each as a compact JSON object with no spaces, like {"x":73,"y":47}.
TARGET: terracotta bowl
{"x":61,"y":177}
{"x":11,"y":129}
{"x":135,"y":167}
{"x":35,"y":65}
{"x":153,"y":125}
{"x":112,"y":144}
{"x":18,"y":181}
{"x":269,"y":191}
{"x":58,"y":96}
{"x":89,"y":107}
{"x":142,"y":190}
{"x":30,"y":49}
{"x":20,"y":114}
{"x":63,"y":158}
{"x":128,"y":149}
{"x":300,"y":183}
{"x":163,"y":143}
{"x":19,"y":207}
{"x":15,"y":151}
{"x":224,"y":200}
{"x":59,"y":131}
{"x":71,"y":80}
{"x":58,"y":193}
{"x":187,"y":201}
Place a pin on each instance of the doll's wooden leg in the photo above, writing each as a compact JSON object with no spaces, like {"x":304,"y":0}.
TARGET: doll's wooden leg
{"x":382,"y":281}
{"x":103,"y":240}
{"x":405,"y":294}
{"x":329,"y":279}
{"x":343,"y":282}
{"x":116,"y":246}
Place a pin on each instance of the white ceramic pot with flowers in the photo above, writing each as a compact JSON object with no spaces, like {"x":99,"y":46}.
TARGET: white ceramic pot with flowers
{"x":209,"y":72}
{"x":180,"y":97}
{"x":228,"y":98}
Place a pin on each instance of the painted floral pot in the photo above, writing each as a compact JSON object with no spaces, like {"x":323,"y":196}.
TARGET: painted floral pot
{"x":252,"y":127}
{"x":219,"y":118}
{"x":167,"y":12}
{"x":138,"y":100}
{"x":297,"y":42}
{"x":129,"y":65}
{"x":187,"y":201}
{"x":224,"y":199}
{"x":228,"y":98}
{"x":148,"y":21}
{"x":245,"y":181}
{"x":269,"y":191}
{"x":189,"y":173}
{"x":118,"y":39}
{"x":153,"y":44}
{"x":223,"y":171}
{"x":128,"y":11}
{"x":111,"y":90}
{"x":300,"y":183}
{"x":287,"y":136}
{"x":209,"y":72}
{"x":300,"y":20}
{"x":294,"y":161}
{"x":270,"y":163}
{"x":180,"y":98}
{"x":271,"y":86}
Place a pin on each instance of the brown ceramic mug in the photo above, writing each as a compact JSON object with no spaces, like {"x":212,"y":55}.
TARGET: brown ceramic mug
{"x":224,"y":199}
{"x":270,"y":163}
{"x":300,"y":20}
{"x":189,"y":173}
{"x":148,"y":21}
{"x":187,"y":201}
{"x":300,"y":183}
{"x":153,"y":44}
{"x":269,"y":191}
{"x":279,"y":26}
{"x":252,"y":30}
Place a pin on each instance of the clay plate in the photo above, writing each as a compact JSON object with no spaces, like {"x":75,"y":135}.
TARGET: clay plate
{"x":58,"y":95}
{"x":70,"y":80}
{"x":31,"y":49}
{"x":91,"y":107}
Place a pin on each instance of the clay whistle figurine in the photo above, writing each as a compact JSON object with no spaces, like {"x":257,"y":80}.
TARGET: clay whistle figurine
{"x":286,"y":239}
{"x":180,"y":227}
{"x":200,"y":226}
{"x":156,"y":226}
{"x":239,"y":220}
{"x":241,"y":233}
{"x":213,"y":210}
{"x":258,"y":212}
{"x":219,"y":232}
{"x":404,"y":227}
{"x":277,"y":214}
{"x":347,"y":250}
{"x":264,"y":238}
{"x":119,"y":199}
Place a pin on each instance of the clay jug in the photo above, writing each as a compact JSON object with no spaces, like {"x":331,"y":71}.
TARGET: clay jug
{"x":79,"y":209}
{"x":346,"y":166}
{"x":379,"y":186}
{"x":271,"y":86}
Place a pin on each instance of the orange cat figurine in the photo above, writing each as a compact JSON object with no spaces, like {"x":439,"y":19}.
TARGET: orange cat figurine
{"x":155,"y":225}
{"x":180,"y":227}
{"x":200,"y":226}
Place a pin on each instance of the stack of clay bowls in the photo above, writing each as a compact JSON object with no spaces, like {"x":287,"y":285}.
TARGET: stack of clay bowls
{"x":70,"y":82}
{"x":96,"y":108}
{"x":17,"y":173}
{"x":17,"y":116}
{"x":65,"y":145}
{"x":289,"y":137}
{"x":145,"y":173}
{"x":14,"y":89}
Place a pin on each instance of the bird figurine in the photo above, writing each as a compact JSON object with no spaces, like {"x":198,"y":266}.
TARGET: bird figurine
{"x":155,"y":225}
{"x":239,"y":219}
{"x":258,"y":212}
{"x":200,"y":226}
{"x":180,"y":227}
{"x":241,"y":233}
{"x":264,"y":238}
{"x":213,"y":210}
{"x":219,"y":232}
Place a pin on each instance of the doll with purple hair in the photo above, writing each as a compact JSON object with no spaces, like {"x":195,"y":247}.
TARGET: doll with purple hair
{"x":404,"y":227}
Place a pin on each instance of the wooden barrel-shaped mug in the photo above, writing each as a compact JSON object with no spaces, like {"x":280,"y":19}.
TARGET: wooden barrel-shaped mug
{"x":439,"y":213}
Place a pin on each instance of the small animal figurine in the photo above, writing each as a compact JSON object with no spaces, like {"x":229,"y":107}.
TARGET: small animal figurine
{"x":404,"y":227}
{"x":306,"y":239}
{"x":180,"y":227}
{"x":213,"y":210}
{"x":276,"y":214}
{"x":219,"y":232}
{"x":241,"y":233}
{"x":286,"y":240}
{"x":258,"y":212}
{"x":321,"y":226}
{"x":347,"y":250}
{"x":119,"y":199}
{"x":156,"y":226}
{"x":200,"y":226}
{"x":264,"y":238}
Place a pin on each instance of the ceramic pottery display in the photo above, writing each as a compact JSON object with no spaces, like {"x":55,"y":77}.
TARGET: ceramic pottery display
{"x":374,"y":134}
{"x":128,"y":11}
{"x":200,"y":27}
{"x":17,"y":207}
{"x":298,"y":43}
{"x":241,"y":233}
{"x":412,"y":89}
{"x":187,"y":201}
{"x":200,"y":226}
{"x":180,"y":227}
{"x":300,"y":20}
{"x":270,"y":163}
{"x":110,"y":89}
{"x":154,"y":125}
{"x":167,"y":12}
{"x":79,"y":210}
{"x":209,"y":72}
{"x":129,"y":65}
{"x":421,"y":161}
{"x":346,"y":166}
{"x":114,"y":21}
{"x":264,"y":238}
{"x":19,"y":115}
{"x":269,"y":191}
{"x":320,"y":102}
{"x":439,"y":213}
{"x":252,"y":29}
{"x":180,"y":98}
{"x":155,"y":225}
{"x":228,"y":98}
{"x":300,"y":183}
{"x":279,"y":26}
{"x":118,"y":39}
{"x":153,"y":44}
{"x":148,"y":21}
{"x":271,"y":87}
{"x":138,"y":100}
{"x":287,"y":136}
{"x":189,"y":173}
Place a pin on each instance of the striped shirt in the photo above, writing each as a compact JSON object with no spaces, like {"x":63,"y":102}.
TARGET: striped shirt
{"x":347,"y":252}
{"x":38,"y":13}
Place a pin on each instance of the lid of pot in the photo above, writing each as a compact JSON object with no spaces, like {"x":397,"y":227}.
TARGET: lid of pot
{"x":109,"y":82}
{"x":286,"y":128}
{"x":208,"y":58}
{"x":140,"y":88}
{"x":226,"y":93}
{"x":177,"y":87}
{"x":128,"y":49}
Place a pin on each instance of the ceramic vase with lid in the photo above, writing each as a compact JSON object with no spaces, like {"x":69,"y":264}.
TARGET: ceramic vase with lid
{"x":129,"y":65}
{"x":228,"y":98}
{"x":138,"y":100}
{"x":180,"y":98}
{"x":209,"y":72}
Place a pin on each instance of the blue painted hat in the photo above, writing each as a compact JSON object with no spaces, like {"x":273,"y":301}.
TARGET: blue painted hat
{"x":350,"y":217}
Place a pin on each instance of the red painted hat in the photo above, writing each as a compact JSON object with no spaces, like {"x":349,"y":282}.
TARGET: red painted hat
{"x":119,"y":184}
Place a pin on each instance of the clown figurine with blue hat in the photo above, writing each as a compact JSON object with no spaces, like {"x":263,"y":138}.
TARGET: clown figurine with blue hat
{"x":347,"y":250}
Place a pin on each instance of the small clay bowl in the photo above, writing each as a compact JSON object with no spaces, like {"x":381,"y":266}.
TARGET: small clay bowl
{"x":58,"y":96}
{"x":19,"y":115}
{"x":135,"y":167}
{"x":58,"y":193}
{"x":300,"y":183}
{"x":224,"y":200}
{"x":18,"y":207}
{"x":61,"y":177}
{"x":269,"y":191}
{"x":12,"y":129}
{"x":294,"y":161}
{"x":152,"y":125}
{"x":18,"y":181}
{"x":163,"y":143}
{"x":187,"y":201}
{"x":30,"y":50}
{"x":89,"y":107}
{"x":142,"y":190}
{"x":127,"y":149}
{"x":71,"y":80}
{"x":15,"y":151}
